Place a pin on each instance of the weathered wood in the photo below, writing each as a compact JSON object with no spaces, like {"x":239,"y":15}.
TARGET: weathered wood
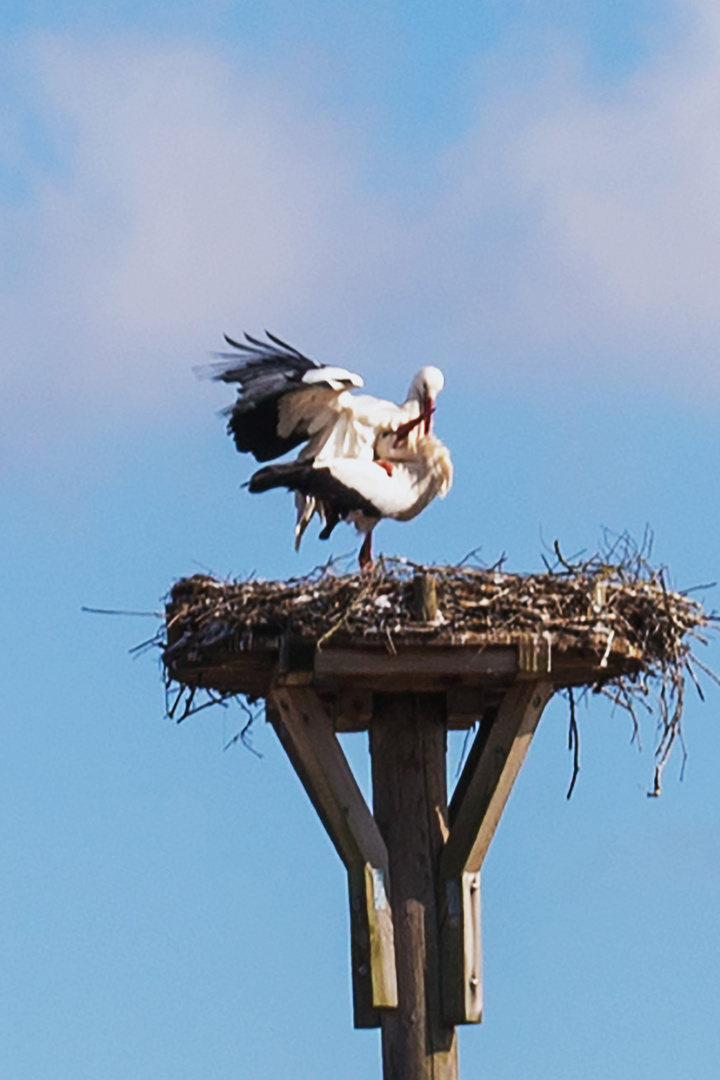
{"x":425,"y":600}
{"x":352,"y":710}
{"x":434,"y":668}
{"x":461,"y":950}
{"x":408,"y":749}
{"x":232,"y":673}
{"x":535,"y":653}
{"x":307,"y":736}
{"x":481,"y":794}
{"x":465,"y":706}
{"x":493,"y":776}
{"x":295,"y":654}
{"x":372,"y":949}
{"x":306,"y":732}
{"x":462,"y":661}
{"x":408,"y":676}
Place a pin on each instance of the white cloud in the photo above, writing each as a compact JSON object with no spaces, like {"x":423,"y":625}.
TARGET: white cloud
{"x":193,"y":199}
{"x":572,"y":234}
{"x":598,"y":211}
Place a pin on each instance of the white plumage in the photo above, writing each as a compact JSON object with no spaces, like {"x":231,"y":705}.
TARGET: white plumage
{"x":286,"y":400}
{"x":399,"y":485}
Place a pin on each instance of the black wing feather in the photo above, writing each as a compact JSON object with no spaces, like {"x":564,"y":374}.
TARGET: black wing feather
{"x":319,"y":483}
{"x":290,"y":348}
{"x":264,"y":371}
{"x":255,"y":353}
{"x":235,"y":344}
{"x":254,"y":431}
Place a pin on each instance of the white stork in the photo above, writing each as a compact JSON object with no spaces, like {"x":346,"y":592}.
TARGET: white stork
{"x":286,"y":399}
{"x":398,"y":485}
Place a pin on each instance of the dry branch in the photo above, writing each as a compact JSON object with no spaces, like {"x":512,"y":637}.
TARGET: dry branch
{"x":614,"y":605}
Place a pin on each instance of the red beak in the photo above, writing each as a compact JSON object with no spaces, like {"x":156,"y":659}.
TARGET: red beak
{"x":428,"y":408}
{"x":404,"y":430}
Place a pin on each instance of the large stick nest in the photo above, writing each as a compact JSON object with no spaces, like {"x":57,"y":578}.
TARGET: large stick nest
{"x":615,"y":606}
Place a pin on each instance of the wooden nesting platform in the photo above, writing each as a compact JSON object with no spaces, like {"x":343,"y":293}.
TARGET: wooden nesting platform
{"x":408,"y":654}
{"x":244,"y":638}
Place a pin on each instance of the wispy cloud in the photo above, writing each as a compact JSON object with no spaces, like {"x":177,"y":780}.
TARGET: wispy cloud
{"x":189,"y":198}
{"x":598,"y":210}
{"x":573,"y":229}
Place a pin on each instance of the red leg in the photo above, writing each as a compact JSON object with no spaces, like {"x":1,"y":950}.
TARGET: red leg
{"x":365,"y":558}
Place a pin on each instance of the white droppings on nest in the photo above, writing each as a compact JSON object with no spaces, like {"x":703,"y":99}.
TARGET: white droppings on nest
{"x":608,"y":647}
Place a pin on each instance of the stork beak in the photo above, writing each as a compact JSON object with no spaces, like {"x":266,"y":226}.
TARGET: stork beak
{"x":428,"y":408}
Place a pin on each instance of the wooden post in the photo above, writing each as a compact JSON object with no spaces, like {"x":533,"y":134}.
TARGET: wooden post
{"x":408,"y":737}
{"x":425,"y":599}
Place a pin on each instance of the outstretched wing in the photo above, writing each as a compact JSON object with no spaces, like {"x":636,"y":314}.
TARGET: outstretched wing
{"x":284,"y":398}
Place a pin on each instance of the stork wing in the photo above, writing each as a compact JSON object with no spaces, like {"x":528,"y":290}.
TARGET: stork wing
{"x":269,"y":375}
{"x":254,"y":360}
{"x":341,"y":425}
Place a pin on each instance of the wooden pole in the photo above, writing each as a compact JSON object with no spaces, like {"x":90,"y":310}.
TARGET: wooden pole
{"x":408,"y":739}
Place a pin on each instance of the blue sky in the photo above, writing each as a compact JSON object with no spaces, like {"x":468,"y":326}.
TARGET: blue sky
{"x":523,"y":193}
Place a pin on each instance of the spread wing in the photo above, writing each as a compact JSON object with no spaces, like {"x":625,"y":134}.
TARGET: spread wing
{"x":284,"y":398}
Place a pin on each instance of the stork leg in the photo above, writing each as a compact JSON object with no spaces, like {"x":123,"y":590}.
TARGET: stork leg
{"x":365,"y":558}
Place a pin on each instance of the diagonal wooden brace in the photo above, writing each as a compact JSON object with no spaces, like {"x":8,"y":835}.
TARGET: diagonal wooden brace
{"x":483,"y":789}
{"x":306,"y":732}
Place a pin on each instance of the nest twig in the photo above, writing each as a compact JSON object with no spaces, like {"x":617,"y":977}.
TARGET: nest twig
{"x":611,"y":602}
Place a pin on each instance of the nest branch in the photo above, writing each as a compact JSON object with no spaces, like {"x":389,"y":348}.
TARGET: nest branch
{"x":614,"y":604}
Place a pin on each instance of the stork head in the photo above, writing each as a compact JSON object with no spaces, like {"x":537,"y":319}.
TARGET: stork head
{"x":424,"y":388}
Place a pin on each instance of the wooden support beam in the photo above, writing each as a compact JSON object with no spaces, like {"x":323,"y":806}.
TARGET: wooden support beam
{"x":421,"y":975}
{"x":483,"y":790}
{"x":306,"y":732}
{"x":461,"y":949}
{"x":408,"y":749}
{"x":352,"y":710}
{"x":424,"y":669}
{"x":465,"y":707}
{"x":493,"y":775}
